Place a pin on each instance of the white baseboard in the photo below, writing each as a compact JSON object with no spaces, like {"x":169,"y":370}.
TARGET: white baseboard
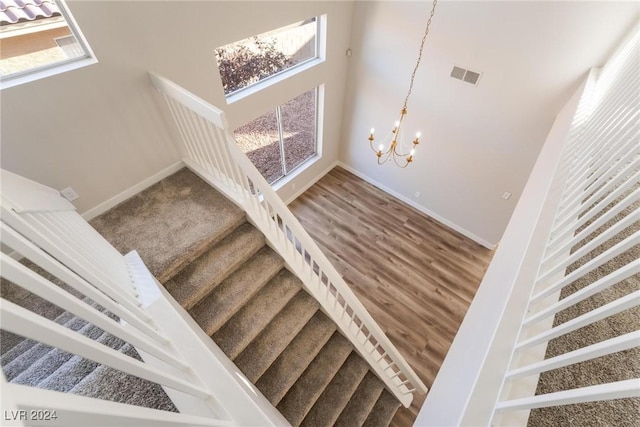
{"x":420,"y":208}
{"x":132,"y":191}
{"x":310,"y":183}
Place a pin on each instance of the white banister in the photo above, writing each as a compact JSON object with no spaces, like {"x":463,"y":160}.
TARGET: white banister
{"x":20,"y":244}
{"x":612,"y":345}
{"x":619,"y":275}
{"x":573,"y":225}
{"x":38,"y":285}
{"x":616,"y":390}
{"x":210,"y":150}
{"x":21,"y":321}
{"x":81,"y":411}
{"x":598,"y":261}
{"x":614,"y":307}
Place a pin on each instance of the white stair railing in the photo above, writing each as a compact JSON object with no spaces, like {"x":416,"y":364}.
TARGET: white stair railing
{"x":37,"y":224}
{"x":586,"y":178}
{"x":209,"y":149}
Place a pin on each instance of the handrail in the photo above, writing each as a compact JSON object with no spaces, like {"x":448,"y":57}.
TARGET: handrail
{"x":209,"y":148}
{"x":582,"y":183}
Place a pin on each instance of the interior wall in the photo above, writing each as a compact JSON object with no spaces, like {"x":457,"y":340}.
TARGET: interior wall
{"x":478,"y":142}
{"x":101,"y":130}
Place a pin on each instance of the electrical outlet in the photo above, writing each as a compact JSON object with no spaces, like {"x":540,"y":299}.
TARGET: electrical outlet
{"x":506,"y":195}
{"x":417,"y":194}
{"x":69,"y":194}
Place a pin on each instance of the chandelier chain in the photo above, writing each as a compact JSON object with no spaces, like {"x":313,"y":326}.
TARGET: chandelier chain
{"x":424,"y":38}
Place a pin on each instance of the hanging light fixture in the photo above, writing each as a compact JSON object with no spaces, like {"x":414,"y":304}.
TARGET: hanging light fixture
{"x":395,"y":149}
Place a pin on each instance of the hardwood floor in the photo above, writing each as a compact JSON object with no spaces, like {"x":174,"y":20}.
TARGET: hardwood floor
{"x":414,"y":275}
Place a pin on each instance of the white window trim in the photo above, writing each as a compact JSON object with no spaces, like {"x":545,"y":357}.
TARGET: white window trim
{"x":298,"y":169}
{"x":321,"y":35}
{"x":38,"y":73}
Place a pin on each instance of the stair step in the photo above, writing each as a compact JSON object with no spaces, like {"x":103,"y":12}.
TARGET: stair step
{"x":52,"y":360}
{"x":254,"y":316}
{"x":362,"y":402}
{"x":110,"y":384}
{"x":35,"y":352}
{"x":262,"y":351}
{"x":171,"y":223}
{"x":75,"y":369}
{"x":197,"y":279}
{"x":333,"y":399}
{"x":226,"y":298}
{"x":306,"y":390}
{"x":26,"y":344}
{"x":288,"y":367}
{"x":383,"y":411}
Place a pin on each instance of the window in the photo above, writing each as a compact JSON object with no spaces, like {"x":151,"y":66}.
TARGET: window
{"x":252,"y":60}
{"x":39,"y":38}
{"x":280,"y":141}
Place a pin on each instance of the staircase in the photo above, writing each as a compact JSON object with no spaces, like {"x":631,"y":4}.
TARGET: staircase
{"x":28,"y":362}
{"x":218,"y":267}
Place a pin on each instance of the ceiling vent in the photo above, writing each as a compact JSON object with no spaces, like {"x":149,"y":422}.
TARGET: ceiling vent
{"x":465,"y":75}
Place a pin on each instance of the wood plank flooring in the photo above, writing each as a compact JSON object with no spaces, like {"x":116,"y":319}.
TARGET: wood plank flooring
{"x":414,"y":275}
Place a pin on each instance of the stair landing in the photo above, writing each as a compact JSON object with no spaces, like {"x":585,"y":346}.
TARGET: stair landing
{"x":147,"y":222}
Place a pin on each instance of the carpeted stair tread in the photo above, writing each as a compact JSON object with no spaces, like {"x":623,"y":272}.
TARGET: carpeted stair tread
{"x":77,"y":368}
{"x":333,"y":399}
{"x":25,"y":299}
{"x":262,"y":351}
{"x":383,"y":411}
{"x":110,"y":384}
{"x":290,"y":365}
{"x":226,"y":298}
{"x":306,"y":390}
{"x":170,"y":223}
{"x":52,"y":360}
{"x":362,"y":402}
{"x":201,"y":276}
{"x":252,"y":318}
{"x":34,"y":353}
{"x":26,"y":344}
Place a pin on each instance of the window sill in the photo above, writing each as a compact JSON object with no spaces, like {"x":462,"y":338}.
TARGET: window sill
{"x":285,"y":180}
{"x":257,"y":87}
{"x":52,"y":70}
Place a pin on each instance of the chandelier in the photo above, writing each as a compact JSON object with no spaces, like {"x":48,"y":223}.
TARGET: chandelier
{"x":395,"y":150}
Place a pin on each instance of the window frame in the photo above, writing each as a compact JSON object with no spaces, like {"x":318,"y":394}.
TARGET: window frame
{"x":321,"y":32}
{"x":289,"y":175}
{"x":37,"y":73}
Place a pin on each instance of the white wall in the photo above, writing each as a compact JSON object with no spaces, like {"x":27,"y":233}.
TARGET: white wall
{"x":100,"y":129}
{"x":478,"y":142}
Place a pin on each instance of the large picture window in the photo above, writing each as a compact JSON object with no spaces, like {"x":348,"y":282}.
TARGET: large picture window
{"x":39,"y":38}
{"x":280,"y":141}
{"x":249,"y":61}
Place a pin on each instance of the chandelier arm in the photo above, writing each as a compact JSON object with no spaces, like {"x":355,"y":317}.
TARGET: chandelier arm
{"x":406,"y":163}
{"x":424,"y":38}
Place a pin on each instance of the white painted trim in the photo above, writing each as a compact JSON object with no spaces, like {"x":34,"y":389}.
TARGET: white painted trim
{"x":311,"y":182}
{"x":132,"y":191}
{"x":420,"y":208}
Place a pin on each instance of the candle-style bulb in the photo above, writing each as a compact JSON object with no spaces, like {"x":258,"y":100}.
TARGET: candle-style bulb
{"x":417,"y":135}
{"x":412,"y":152}
{"x":372,"y":131}
{"x":381,"y":147}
